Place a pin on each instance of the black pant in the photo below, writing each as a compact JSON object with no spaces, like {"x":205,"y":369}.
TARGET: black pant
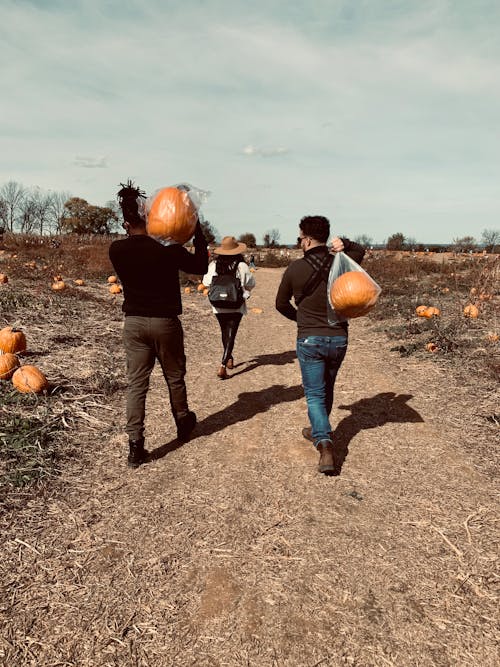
{"x":229,"y":323}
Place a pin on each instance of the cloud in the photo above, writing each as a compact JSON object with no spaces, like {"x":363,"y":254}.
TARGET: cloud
{"x":264,"y":152}
{"x":91,"y":162}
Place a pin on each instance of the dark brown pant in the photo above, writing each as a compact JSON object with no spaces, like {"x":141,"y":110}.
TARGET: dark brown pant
{"x":229,"y":323}
{"x":147,"y":339}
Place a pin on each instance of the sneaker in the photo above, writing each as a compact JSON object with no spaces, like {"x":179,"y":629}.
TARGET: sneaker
{"x":137,"y":454}
{"x":185,"y":426}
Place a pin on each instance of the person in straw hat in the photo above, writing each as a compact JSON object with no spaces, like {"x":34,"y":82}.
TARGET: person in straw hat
{"x":229,"y":261}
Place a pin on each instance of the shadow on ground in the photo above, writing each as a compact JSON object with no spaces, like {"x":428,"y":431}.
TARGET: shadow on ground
{"x":249,"y":404}
{"x":267,"y":360}
{"x":370,"y":413}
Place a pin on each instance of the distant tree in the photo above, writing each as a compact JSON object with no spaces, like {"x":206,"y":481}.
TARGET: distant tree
{"x":395,"y":242}
{"x":271,"y":238}
{"x":465,"y":244}
{"x":365,"y":240}
{"x":248,"y":239}
{"x":12,"y":194}
{"x":491,"y":239}
{"x":57,"y":210}
{"x":80,"y":217}
{"x":26,"y":214}
{"x":410,"y":243}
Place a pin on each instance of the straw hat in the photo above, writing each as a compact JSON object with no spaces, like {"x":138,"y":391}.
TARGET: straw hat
{"x":230,"y":246}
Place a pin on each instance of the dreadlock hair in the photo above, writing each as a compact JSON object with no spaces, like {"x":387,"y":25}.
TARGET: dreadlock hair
{"x":227,"y":264}
{"x":129,"y":198}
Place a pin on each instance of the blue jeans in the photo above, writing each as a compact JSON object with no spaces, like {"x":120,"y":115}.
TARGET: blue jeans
{"x":320,"y":358}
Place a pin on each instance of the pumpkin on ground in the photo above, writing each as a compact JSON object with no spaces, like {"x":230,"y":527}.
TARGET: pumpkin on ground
{"x":58,"y":285}
{"x":256,"y":310}
{"x":12,"y":340}
{"x":471,"y":311}
{"x":420,"y":310}
{"x":187,"y":290}
{"x":431,"y":311}
{"x":492,"y":337}
{"x":29,"y":380}
{"x":8,"y":364}
{"x":200,"y":287}
{"x":431,"y":347}
{"x":112,"y":279}
{"x":3,"y":279}
{"x":205,"y":291}
{"x":353,"y":294}
{"x":79,"y":282}
{"x":115,"y":289}
{"x":172,"y":216}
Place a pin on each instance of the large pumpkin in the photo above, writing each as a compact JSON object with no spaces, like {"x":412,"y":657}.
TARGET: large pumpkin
{"x":353,"y":294}
{"x":29,"y":380}
{"x":8,"y":364}
{"x":172,"y":216}
{"x":12,"y":340}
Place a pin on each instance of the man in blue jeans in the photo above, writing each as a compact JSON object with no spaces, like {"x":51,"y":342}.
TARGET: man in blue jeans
{"x":321,"y":347}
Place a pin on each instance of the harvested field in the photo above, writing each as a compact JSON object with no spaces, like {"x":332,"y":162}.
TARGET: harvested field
{"x":231,"y":549}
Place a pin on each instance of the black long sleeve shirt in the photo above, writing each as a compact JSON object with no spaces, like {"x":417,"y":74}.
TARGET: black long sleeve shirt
{"x":149,"y":273}
{"x":312,"y":313}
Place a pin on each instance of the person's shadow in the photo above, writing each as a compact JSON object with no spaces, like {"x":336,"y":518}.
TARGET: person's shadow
{"x":279,"y":359}
{"x":249,"y":404}
{"x":370,"y":413}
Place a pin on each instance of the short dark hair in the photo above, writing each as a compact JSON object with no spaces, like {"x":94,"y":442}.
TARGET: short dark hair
{"x":315,"y":226}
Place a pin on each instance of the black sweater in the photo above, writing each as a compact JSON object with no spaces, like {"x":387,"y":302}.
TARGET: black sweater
{"x":312,"y":314}
{"x":149,"y":273}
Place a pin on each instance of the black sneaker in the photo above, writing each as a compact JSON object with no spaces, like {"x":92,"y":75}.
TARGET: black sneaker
{"x":185,"y":426}
{"x":137,"y":454}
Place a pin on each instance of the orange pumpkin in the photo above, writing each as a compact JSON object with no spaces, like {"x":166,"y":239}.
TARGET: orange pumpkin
{"x":58,"y":286}
{"x":201,"y":287}
{"x":3,"y":279}
{"x":115,"y":289}
{"x":353,"y":294}
{"x":112,"y":279}
{"x":431,"y":347}
{"x":420,"y":310}
{"x":431,"y":311}
{"x":471,"y":311}
{"x":491,"y":336}
{"x":12,"y":340}
{"x":8,"y":364}
{"x":172,"y":216}
{"x":79,"y":282}
{"x":29,"y":380}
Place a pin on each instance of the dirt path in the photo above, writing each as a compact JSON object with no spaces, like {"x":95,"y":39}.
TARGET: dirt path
{"x":233,"y":550}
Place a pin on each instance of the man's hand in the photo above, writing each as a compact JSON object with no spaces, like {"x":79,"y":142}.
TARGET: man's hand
{"x":337,"y":245}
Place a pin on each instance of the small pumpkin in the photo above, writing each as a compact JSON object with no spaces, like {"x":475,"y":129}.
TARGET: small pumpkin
{"x":3,"y":279}
{"x":353,"y":294}
{"x":431,"y":311}
{"x":187,"y":290}
{"x":200,"y":287}
{"x":420,"y":310}
{"x":256,"y":310}
{"x":115,"y":289}
{"x":29,"y":380}
{"x":12,"y":340}
{"x":79,"y":282}
{"x":58,"y":285}
{"x":471,"y":311}
{"x":8,"y":364}
{"x":492,"y":337}
{"x":205,"y":291}
{"x":112,"y":279}
{"x":172,"y":215}
{"x":431,"y":347}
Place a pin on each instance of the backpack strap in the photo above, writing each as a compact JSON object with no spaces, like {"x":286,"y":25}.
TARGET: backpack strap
{"x":321,"y":271}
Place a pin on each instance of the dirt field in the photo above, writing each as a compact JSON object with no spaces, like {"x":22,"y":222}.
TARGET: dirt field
{"x":231,"y":549}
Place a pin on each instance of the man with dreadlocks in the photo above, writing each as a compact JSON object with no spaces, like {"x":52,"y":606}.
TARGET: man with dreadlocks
{"x":149,"y":273}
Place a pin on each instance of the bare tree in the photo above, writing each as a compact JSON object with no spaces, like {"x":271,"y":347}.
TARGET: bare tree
{"x":491,"y":239}
{"x":465,"y":244}
{"x":57,"y":210}
{"x":27,"y":213}
{"x":12,"y":194}
{"x":271,"y":238}
{"x":365,"y":240}
{"x":396,"y":242}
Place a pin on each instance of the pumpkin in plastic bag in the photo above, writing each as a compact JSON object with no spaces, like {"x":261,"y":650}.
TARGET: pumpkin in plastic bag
{"x":353,"y":294}
{"x":172,"y":216}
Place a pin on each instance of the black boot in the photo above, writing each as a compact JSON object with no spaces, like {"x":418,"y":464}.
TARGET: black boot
{"x":185,"y":425}
{"x":137,"y":454}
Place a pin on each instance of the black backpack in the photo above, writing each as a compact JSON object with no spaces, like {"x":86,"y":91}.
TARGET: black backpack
{"x":225,"y":291}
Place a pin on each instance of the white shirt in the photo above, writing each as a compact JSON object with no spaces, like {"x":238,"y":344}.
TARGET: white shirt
{"x":247,"y":282}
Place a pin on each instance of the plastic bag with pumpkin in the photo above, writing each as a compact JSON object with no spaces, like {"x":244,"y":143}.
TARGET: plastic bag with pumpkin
{"x":352,"y":292}
{"x":172,"y":213}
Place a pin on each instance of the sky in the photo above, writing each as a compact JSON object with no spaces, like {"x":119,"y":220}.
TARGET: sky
{"x":382,"y":115}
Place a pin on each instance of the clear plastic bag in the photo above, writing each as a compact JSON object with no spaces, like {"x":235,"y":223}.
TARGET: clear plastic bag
{"x":352,"y":292}
{"x":196,"y":196}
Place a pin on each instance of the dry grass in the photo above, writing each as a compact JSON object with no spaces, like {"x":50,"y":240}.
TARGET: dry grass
{"x":231,"y":549}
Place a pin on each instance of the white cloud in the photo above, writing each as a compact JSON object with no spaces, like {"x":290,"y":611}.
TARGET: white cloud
{"x":91,"y":162}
